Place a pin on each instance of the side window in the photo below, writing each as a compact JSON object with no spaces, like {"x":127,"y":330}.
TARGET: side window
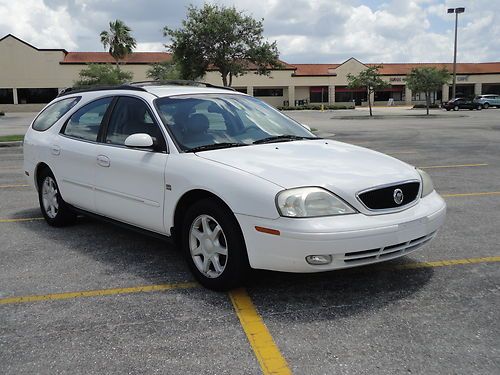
{"x":50,"y":115}
{"x":131,"y":116}
{"x":85,"y":123}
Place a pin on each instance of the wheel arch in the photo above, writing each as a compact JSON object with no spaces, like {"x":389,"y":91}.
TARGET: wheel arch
{"x":186,"y":200}
{"x":41,"y":166}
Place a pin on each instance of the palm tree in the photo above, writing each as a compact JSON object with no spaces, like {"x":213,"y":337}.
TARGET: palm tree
{"x":119,"y":40}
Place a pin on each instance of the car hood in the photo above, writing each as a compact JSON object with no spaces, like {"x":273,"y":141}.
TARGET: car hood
{"x":339,"y":167}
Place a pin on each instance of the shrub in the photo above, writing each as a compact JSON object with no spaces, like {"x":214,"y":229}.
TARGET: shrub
{"x":102,"y":74}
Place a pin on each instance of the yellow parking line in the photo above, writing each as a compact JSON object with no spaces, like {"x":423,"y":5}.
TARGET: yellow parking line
{"x":453,"y":166}
{"x":20,"y":219}
{"x":451,"y":262}
{"x":12,"y":186}
{"x":471,"y":194}
{"x":97,"y":293}
{"x":270,"y":359}
{"x":240,"y":296}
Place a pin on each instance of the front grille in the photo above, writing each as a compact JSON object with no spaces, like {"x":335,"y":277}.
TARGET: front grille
{"x":387,"y":252}
{"x":383,"y":198}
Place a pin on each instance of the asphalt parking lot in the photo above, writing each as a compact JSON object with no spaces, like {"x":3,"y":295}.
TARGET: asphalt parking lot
{"x":95,"y":298}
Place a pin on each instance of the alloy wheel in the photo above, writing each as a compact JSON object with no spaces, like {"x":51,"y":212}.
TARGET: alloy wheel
{"x":49,"y":197}
{"x":208,"y":246}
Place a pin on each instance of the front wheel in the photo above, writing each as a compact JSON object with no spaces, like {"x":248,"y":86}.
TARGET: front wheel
{"x":213,"y":245}
{"x":486,"y":105}
{"x":456,"y":108}
{"x":55,"y":211}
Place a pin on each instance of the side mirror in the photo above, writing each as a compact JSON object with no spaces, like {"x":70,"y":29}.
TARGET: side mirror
{"x":139,"y":140}
{"x":306,"y":126}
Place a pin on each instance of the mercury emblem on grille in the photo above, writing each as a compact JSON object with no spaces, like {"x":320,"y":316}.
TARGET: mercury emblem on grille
{"x":398,"y":196}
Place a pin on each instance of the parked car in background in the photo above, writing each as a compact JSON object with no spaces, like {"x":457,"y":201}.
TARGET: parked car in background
{"x":461,"y":103}
{"x":235,"y":183}
{"x":488,"y":100}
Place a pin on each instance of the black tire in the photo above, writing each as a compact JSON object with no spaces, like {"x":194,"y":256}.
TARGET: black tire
{"x":64,"y":215}
{"x":456,"y":108}
{"x":236,"y":262}
{"x":486,"y":105}
{"x":479,"y":107}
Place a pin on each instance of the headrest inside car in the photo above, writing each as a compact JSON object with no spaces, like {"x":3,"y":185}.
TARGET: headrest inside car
{"x":197,"y":123}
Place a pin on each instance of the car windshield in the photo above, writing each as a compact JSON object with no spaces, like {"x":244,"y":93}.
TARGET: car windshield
{"x":210,"y":121}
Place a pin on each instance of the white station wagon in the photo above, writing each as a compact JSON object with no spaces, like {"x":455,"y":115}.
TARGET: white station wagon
{"x":234,"y":182}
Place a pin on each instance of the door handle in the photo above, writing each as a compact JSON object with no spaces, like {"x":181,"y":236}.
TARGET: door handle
{"x":55,"y":150}
{"x":103,"y":161}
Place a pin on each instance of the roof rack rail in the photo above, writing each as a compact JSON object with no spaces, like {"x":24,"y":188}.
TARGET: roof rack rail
{"x":178,"y":82}
{"x":76,"y":90}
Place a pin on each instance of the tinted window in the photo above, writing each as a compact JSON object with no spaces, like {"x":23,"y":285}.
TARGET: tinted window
{"x":53,"y":113}
{"x":131,"y":116}
{"x":85,"y":122}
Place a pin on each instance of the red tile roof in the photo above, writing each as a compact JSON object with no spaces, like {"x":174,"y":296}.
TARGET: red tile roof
{"x":314,"y":69}
{"x":401,"y":68}
{"x":462,"y":68}
{"x":105,"y":57}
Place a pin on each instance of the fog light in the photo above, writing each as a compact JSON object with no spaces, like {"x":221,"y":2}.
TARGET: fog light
{"x":316,"y":260}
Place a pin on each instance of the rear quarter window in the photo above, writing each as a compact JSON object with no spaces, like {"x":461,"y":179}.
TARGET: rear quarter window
{"x":50,"y":115}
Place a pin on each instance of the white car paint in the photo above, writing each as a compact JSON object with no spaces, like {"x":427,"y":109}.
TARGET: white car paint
{"x":142,"y":188}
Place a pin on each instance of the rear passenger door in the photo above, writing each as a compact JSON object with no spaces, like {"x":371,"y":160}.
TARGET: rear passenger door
{"x":74,"y":150}
{"x":130,"y":183}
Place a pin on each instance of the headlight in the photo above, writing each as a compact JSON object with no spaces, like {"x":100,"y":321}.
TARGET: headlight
{"x":427,"y":185}
{"x":311,"y":202}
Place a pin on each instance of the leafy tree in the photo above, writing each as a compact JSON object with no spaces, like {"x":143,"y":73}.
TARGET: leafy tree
{"x":369,"y":79}
{"x":163,"y":71}
{"x":223,"y":38}
{"x":426,"y":80}
{"x":119,"y":40}
{"x":102,"y":74}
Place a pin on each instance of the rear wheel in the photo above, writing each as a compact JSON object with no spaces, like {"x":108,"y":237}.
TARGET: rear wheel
{"x":55,"y":211}
{"x":213,"y":245}
{"x":456,"y":108}
{"x":479,"y":107}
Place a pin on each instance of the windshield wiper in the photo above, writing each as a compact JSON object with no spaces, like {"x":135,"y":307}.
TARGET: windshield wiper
{"x":282,"y":138}
{"x":215,"y":146}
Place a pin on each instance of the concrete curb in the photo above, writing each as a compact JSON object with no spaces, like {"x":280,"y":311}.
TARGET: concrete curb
{"x":11,"y":144}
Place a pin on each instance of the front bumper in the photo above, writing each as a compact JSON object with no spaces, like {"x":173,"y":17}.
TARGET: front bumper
{"x":351,"y":240}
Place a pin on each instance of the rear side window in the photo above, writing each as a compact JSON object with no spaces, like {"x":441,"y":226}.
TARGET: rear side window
{"x":53,"y":113}
{"x":85,"y":123}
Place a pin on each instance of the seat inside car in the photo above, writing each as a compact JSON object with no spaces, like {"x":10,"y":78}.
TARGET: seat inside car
{"x":195,"y":130}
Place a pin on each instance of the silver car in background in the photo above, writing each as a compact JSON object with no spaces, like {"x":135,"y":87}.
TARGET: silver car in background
{"x":488,"y":100}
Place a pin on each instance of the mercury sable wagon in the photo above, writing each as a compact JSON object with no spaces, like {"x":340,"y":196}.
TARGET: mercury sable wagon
{"x":234,"y":182}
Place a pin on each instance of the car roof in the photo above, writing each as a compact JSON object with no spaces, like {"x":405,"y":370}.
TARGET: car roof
{"x":166,"y":90}
{"x":158,"y":89}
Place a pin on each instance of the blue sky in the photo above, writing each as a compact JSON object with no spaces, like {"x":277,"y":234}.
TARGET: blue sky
{"x":307,"y":31}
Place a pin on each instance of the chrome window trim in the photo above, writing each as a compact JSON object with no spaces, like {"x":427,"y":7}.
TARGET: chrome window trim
{"x":395,"y":209}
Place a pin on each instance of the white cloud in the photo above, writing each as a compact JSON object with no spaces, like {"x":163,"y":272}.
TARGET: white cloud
{"x":306,"y":30}
{"x":38,"y":24}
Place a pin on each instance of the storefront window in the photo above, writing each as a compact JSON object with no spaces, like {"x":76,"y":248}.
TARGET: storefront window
{"x":267,"y":92}
{"x":318,"y":94}
{"x":6,"y":96}
{"x":42,"y":95}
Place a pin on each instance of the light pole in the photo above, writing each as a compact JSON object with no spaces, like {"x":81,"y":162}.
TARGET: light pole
{"x":457,"y":11}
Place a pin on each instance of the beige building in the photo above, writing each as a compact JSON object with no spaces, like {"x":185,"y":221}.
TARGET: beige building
{"x":30,"y":77}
